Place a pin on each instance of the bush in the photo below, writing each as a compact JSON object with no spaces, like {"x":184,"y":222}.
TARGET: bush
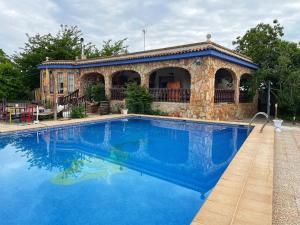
{"x":95,"y":92}
{"x":138,"y":99}
{"x":77,"y":112}
{"x":158,"y":113}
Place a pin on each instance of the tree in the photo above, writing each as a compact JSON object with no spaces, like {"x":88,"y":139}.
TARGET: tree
{"x":110,"y":48}
{"x":138,"y":99}
{"x":287,"y":72}
{"x":3,"y":57}
{"x":279,"y":61}
{"x":64,"y":45}
{"x":11,"y":83}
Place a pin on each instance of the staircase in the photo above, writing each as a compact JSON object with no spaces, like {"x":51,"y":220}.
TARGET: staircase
{"x":72,"y":100}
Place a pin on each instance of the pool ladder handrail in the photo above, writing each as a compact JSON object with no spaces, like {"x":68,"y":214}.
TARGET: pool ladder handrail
{"x":254,"y":117}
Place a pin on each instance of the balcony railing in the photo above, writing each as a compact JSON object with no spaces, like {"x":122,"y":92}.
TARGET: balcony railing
{"x":117,"y":93}
{"x":224,"y":96}
{"x":70,"y":98}
{"x":159,"y":94}
{"x":170,"y":95}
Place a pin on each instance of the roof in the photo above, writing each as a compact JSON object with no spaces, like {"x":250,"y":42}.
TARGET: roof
{"x":200,"y":49}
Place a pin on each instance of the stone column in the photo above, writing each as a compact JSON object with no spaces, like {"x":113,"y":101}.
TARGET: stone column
{"x":47,"y":84}
{"x":66,"y":83}
{"x":78,"y":82}
{"x":202,"y":89}
{"x":144,"y":80}
{"x":237,"y":90}
{"x":55,"y":96}
{"x":108,"y":85}
{"x":42,"y":86}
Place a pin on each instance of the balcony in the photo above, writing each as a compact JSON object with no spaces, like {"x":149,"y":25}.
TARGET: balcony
{"x":159,"y":94}
{"x":222,"y":95}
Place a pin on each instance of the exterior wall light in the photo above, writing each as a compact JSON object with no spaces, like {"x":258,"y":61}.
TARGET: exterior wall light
{"x":198,"y":61}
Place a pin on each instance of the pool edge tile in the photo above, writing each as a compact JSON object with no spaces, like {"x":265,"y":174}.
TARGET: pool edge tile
{"x":256,"y":160}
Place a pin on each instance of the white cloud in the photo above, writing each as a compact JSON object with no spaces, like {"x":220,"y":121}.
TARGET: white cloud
{"x":168,"y":22}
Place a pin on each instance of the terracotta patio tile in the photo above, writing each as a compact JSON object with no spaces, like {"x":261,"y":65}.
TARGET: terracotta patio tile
{"x":206,"y":217}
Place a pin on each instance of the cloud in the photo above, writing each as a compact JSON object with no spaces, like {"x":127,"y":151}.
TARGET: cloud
{"x":167,"y":22}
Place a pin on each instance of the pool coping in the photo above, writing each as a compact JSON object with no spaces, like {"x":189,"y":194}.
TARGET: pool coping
{"x":243,"y":194}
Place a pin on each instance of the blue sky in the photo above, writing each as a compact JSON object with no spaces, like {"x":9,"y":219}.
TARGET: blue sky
{"x":168,"y":22}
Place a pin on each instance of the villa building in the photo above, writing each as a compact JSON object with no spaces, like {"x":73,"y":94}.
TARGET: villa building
{"x":202,"y":80}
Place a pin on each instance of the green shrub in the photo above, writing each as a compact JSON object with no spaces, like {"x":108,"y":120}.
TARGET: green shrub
{"x":95,"y":92}
{"x":77,"y":112}
{"x":138,"y":99}
{"x":158,"y":113}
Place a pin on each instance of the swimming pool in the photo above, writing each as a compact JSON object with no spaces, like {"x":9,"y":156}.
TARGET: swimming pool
{"x":131,"y":171}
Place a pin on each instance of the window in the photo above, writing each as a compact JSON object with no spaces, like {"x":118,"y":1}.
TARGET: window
{"x":60,"y":83}
{"x":71,"y":81}
{"x":51,"y":81}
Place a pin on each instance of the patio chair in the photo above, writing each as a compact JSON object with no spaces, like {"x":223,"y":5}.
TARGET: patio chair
{"x":28,"y":115}
{"x":4,"y":114}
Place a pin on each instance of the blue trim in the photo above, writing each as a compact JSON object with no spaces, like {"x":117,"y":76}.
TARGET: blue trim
{"x":211,"y":52}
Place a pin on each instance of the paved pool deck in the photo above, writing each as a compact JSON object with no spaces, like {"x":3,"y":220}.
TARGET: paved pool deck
{"x":286,"y":196}
{"x":244,"y":194}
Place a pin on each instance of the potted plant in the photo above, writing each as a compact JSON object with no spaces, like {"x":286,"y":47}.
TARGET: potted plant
{"x":92,"y":105}
{"x":124,"y":109}
{"x":277,"y":122}
{"x":96,"y":95}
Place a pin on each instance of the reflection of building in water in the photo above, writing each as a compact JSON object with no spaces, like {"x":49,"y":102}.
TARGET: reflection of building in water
{"x":210,"y":147}
{"x":185,"y":153}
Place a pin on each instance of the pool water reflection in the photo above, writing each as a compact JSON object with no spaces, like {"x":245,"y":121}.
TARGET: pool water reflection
{"x":126,"y":171}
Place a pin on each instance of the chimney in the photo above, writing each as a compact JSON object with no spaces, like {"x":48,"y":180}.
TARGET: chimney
{"x":82,"y":49}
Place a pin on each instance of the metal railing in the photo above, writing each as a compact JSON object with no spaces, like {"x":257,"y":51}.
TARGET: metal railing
{"x":159,"y":94}
{"x":117,"y":93}
{"x":222,"y":95}
{"x":70,"y":98}
{"x":254,"y":117}
{"x":170,"y":94}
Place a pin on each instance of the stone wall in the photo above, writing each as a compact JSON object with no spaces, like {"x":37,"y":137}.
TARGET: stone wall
{"x":233,"y":111}
{"x":202,"y":87}
{"x":172,"y":108}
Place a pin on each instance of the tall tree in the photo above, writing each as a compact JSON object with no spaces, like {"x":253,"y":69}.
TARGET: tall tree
{"x":64,"y":45}
{"x":10,"y":78}
{"x":110,"y":48}
{"x":279,"y":62}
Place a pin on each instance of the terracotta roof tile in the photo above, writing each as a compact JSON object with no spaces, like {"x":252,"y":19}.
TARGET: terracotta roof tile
{"x":155,"y":52}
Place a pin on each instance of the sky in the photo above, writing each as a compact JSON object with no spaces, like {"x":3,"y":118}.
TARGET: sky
{"x":167,"y":22}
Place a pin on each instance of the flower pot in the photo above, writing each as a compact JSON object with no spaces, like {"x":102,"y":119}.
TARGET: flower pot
{"x":124,"y":111}
{"x":66,"y":114}
{"x":278,"y":124}
{"x":92,"y":107}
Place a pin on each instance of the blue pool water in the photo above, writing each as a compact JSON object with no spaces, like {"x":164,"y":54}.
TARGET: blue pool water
{"x":133,"y":171}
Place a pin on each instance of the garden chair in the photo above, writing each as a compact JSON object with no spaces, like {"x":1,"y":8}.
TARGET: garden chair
{"x":4,"y":114}
{"x":28,"y":115}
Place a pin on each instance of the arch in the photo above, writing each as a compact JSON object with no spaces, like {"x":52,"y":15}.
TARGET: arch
{"x":92,"y":78}
{"x":225,"y":83}
{"x":123,"y":77}
{"x":160,"y":77}
{"x":170,"y":84}
{"x":245,"y":88}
